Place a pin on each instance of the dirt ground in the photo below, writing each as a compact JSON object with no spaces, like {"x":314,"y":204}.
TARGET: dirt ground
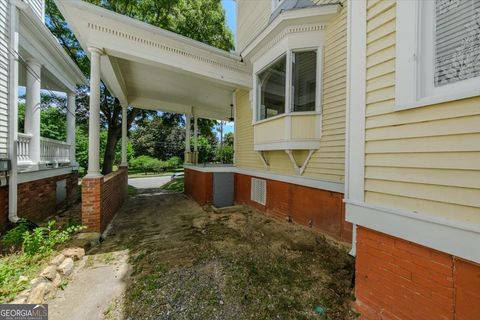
{"x":187,"y":263}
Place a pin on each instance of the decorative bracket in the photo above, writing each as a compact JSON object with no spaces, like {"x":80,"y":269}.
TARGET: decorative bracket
{"x":264,"y":161}
{"x":299,"y":170}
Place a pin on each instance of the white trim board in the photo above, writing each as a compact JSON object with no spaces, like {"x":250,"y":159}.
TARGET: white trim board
{"x":29,"y":176}
{"x":301,"y":181}
{"x":356,"y":104}
{"x":449,"y":236}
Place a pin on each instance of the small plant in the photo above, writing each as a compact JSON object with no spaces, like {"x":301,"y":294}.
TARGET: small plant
{"x":43,"y":240}
{"x":13,"y":239}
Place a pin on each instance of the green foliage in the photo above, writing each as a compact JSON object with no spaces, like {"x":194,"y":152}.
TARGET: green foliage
{"x":13,"y":239}
{"x":175,"y":162}
{"x":42,"y":240}
{"x":176,"y":185}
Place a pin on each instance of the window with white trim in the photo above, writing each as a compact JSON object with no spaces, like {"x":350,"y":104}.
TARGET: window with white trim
{"x":282,"y":89}
{"x":437,"y":51}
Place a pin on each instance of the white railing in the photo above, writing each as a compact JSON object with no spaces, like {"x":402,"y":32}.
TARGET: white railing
{"x":23,"y":148}
{"x":51,"y":151}
{"x":54,"y":151}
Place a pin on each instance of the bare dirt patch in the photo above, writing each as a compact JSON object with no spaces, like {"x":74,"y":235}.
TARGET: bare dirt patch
{"x":191,"y":264}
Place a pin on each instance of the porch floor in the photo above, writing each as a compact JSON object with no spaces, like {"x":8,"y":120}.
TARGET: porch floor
{"x":166,"y":258}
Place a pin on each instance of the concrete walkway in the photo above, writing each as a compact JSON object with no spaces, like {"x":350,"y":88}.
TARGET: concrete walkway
{"x":148,"y":183}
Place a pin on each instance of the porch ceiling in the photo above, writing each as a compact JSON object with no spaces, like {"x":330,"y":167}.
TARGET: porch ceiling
{"x":152,"y":68}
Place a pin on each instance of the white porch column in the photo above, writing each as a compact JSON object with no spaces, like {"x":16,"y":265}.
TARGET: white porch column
{"x":187,"y":138}
{"x":94,"y":120}
{"x":71,"y":109}
{"x":124,"y":136}
{"x":195,"y":133}
{"x":32,"y":108}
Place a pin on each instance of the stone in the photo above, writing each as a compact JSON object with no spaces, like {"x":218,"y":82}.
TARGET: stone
{"x":74,"y":253}
{"x":49,"y":272}
{"x":19,"y":300}
{"x":57,"y":280}
{"x":37,"y":295}
{"x":66,"y":267}
{"x":57,"y":260}
{"x":22,"y":279}
{"x":35,"y":281}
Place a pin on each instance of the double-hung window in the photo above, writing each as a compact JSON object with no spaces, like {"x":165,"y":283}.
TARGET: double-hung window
{"x":289,"y":84}
{"x":437,"y":51}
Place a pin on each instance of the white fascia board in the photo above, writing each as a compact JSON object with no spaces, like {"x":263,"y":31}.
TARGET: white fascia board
{"x":320,"y":14}
{"x":297,"y":180}
{"x":28,"y":176}
{"x":445,"y":235}
{"x":201,"y":111}
{"x":43,"y":36}
{"x":306,"y":144}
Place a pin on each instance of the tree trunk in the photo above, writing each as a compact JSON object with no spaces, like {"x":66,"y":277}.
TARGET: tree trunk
{"x":109,"y":156}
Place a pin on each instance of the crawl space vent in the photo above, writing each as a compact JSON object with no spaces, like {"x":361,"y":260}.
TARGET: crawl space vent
{"x":259,"y":191}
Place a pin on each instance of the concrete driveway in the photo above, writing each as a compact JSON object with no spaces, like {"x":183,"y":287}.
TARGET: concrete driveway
{"x":148,"y":183}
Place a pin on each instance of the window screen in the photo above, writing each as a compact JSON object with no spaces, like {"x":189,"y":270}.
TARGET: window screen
{"x":271,"y":84}
{"x":457,"y":40}
{"x":304,"y":80}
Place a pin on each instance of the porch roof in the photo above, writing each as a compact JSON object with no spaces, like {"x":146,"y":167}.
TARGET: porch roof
{"x":152,"y":68}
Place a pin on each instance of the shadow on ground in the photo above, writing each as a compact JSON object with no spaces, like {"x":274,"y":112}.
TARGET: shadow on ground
{"x":186,"y":263}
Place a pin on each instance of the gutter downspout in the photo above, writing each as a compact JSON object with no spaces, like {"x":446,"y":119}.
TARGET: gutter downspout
{"x":13,"y":114}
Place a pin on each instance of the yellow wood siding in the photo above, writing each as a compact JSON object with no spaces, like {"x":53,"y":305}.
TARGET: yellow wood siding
{"x":328,"y":162}
{"x":252,"y":17}
{"x":425,"y":159}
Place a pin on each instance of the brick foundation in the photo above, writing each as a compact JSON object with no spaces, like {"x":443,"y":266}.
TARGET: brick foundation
{"x":401,"y":280}
{"x":198,"y":186}
{"x":320,"y":209}
{"x":37,"y":200}
{"x":102,"y":198}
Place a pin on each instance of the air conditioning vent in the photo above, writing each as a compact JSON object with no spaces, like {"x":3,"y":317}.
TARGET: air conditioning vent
{"x":259,"y":191}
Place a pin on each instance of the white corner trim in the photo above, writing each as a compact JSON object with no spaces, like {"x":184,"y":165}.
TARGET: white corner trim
{"x":356,"y":104}
{"x":28,"y":176}
{"x":449,"y":236}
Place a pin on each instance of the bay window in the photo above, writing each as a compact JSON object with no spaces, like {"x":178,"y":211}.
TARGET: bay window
{"x":289,"y":84}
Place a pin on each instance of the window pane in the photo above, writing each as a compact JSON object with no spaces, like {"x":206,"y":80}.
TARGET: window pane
{"x":457,"y":37}
{"x":304,"y":80}
{"x":271,"y":84}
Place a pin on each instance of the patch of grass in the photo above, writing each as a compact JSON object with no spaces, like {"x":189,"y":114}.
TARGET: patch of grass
{"x":176,"y":185}
{"x":132,"y":191}
{"x":17,"y":265}
{"x":108,"y":258}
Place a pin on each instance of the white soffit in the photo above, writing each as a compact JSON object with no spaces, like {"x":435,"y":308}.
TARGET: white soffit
{"x":152,"y":68}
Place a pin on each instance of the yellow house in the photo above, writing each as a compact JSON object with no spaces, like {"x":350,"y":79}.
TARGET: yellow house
{"x":413,"y":140}
{"x":290,"y":126}
{"x":357,"y":118}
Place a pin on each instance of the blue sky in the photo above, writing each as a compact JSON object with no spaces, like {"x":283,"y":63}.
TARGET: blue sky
{"x":229,"y":6}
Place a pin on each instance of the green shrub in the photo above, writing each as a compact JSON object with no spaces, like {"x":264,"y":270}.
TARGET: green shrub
{"x":13,"y":239}
{"x":43,"y":240}
{"x":175,"y":162}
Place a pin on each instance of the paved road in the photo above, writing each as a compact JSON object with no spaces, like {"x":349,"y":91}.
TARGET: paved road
{"x":148,"y":183}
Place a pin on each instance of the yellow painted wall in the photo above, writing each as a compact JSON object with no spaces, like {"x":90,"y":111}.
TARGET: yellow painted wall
{"x":425,"y":159}
{"x":252,"y":17}
{"x":328,"y":162}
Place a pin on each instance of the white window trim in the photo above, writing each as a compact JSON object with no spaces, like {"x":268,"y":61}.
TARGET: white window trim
{"x":288,"y":84}
{"x":410,"y":90}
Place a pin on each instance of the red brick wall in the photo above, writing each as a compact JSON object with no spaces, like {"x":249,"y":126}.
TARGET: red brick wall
{"x":102,"y":198}
{"x":198,"y":186}
{"x":37,"y":200}
{"x":321,"y":209}
{"x":398,"y":279}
